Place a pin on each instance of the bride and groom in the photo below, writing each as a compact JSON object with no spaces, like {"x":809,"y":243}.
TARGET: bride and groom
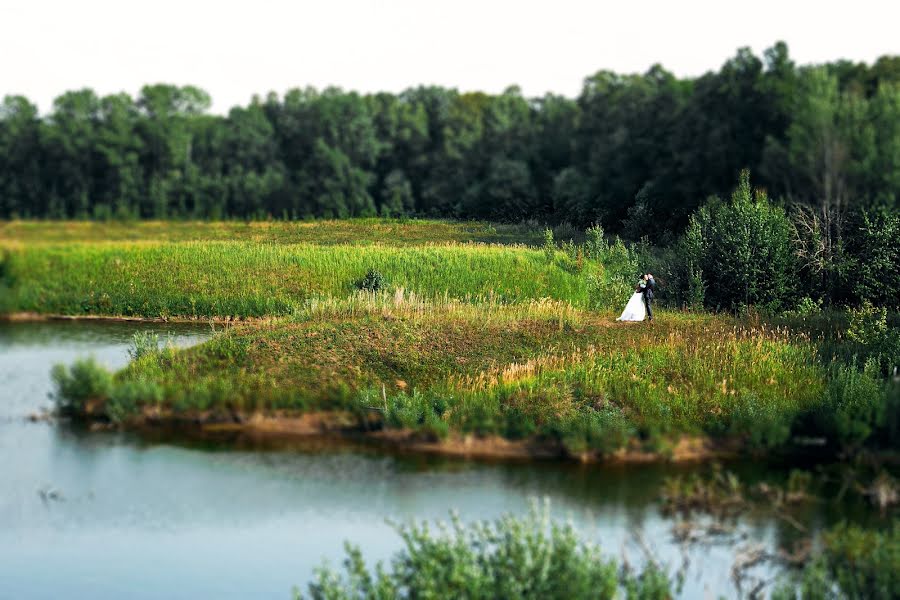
{"x":639,"y":306}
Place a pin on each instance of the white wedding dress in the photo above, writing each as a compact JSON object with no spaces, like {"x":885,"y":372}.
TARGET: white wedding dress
{"x":635,"y":309}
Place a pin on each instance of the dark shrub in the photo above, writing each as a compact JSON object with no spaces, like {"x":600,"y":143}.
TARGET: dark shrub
{"x":372,"y":282}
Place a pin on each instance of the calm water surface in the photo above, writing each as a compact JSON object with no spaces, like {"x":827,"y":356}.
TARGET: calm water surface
{"x":110,"y":515}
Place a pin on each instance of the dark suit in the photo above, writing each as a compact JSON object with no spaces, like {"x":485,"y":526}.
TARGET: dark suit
{"x":648,"y":296}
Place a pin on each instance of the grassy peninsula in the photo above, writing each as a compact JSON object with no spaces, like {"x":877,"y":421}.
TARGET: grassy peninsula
{"x":464,"y":337}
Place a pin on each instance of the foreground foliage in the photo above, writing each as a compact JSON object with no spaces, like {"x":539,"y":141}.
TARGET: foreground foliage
{"x":854,"y":563}
{"x":537,"y":557}
{"x":530,"y":557}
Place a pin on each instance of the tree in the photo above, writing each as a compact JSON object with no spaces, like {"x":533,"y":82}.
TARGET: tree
{"x":873,"y":253}
{"x":571,"y":195}
{"x":338,"y":189}
{"x":635,"y":152}
{"x":69,"y":143}
{"x":508,"y":194}
{"x":21,"y":182}
{"x":742,"y":250}
{"x":396,"y":194}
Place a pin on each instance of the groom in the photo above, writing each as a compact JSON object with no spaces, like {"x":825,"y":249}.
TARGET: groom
{"x":647,"y":291}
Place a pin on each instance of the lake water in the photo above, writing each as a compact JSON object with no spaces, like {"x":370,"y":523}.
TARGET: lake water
{"x":112,"y":515}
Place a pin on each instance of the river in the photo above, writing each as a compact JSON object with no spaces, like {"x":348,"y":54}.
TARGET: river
{"x":111,"y":515}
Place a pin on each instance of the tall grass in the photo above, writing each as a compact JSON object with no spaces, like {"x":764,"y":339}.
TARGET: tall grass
{"x":201,"y":279}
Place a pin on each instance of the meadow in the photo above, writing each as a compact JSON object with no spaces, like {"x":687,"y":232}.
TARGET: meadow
{"x":438,"y":340}
{"x":245,"y":279}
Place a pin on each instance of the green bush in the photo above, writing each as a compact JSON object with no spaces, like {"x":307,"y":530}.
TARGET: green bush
{"x":594,"y":242}
{"x":853,"y":407}
{"x":531,"y":557}
{"x":805,"y":309}
{"x":740,"y":250}
{"x":864,"y":563}
{"x":85,"y":380}
{"x":763,"y":425}
{"x":617,"y":273}
{"x":127,"y":398}
{"x":373,"y":281}
{"x":874,"y":255}
{"x":604,"y":430}
{"x":549,"y":246}
{"x":873,"y":339}
{"x":143,"y":343}
{"x":417,"y":411}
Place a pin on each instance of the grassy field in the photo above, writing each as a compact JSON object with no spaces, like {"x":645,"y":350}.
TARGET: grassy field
{"x":465,"y":337}
{"x":234,"y":269}
{"x":358,"y":232}
{"x":245,"y":279}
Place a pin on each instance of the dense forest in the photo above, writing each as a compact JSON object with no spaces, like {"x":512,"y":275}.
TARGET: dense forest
{"x":635,"y":153}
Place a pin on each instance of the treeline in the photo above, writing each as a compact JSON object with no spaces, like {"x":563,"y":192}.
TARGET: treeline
{"x":636,"y":153}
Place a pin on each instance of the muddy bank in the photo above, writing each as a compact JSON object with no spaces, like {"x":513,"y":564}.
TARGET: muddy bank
{"x":339,"y":425}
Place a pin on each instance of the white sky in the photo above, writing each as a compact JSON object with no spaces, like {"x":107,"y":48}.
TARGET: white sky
{"x":234,"y":49}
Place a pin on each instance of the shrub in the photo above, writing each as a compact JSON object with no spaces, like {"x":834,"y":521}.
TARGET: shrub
{"x":864,"y":563}
{"x":741,"y":250}
{"x":417,"y":411}
{"x":614,"y":281}
{"x":127,"y":398}
{"x":511,"y":557}
{"x":873,"y":339}
{"x":853,"y":406}
{"x":85,"y":380}
{"x":763,"y":425}
{"x":604,"y":430}
{"x":874,"y":255}
{"x":549,"y":246}
{"x":806,"y":308}
{"x":372,"y":282}
{"x":595,"y":242}
{"x":143,"y":343}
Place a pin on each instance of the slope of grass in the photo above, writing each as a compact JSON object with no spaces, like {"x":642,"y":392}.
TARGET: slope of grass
{"x":537,"y":370}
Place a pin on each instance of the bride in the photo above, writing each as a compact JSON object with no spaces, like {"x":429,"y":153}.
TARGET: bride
{"x":635,"y":309}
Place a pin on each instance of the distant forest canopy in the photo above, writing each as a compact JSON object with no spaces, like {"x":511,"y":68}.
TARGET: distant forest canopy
{"x":635,"y":153}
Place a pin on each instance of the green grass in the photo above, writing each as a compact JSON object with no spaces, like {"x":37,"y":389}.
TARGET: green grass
{"x":390,"y":232}
{"x":244,"y":279}
{"x":467,"y":337}
{"x":539,"y":370}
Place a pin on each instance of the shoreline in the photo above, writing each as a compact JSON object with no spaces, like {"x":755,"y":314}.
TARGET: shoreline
{"x":33,"y":317}
{"x":343,"y":426}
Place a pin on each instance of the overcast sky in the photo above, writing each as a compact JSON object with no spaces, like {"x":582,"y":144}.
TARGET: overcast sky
{"x":236,"y":49}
